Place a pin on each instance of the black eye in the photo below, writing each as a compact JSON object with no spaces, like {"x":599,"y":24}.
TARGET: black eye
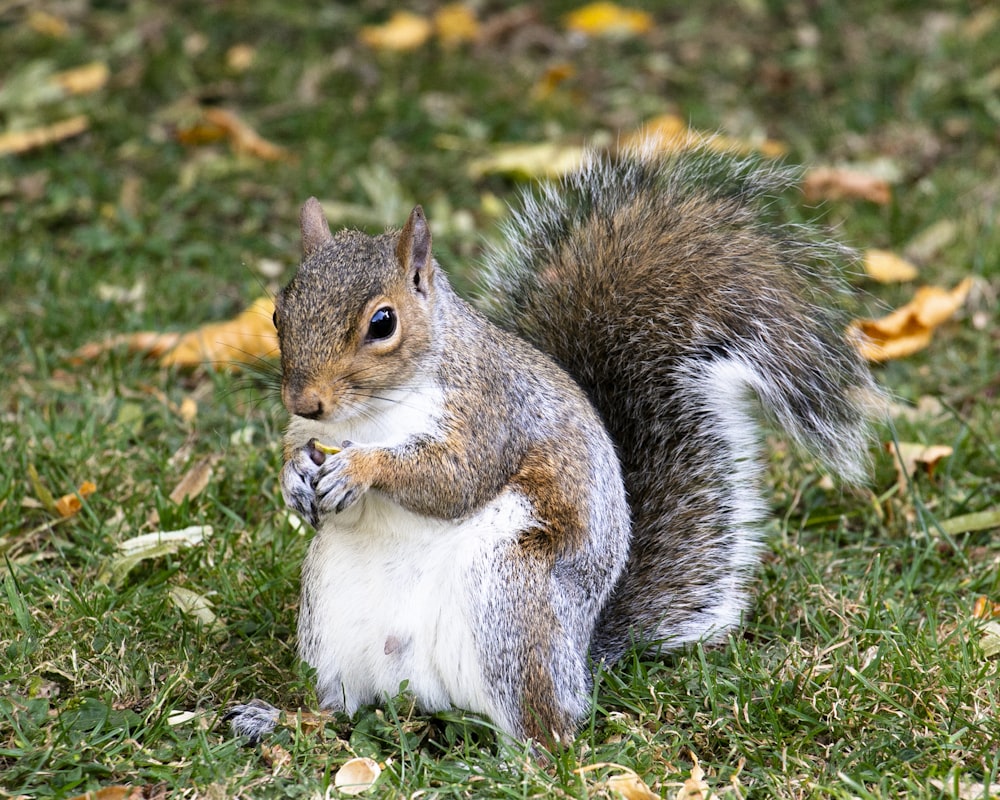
{"x":382,"y":324}
{"x":274,"y":320}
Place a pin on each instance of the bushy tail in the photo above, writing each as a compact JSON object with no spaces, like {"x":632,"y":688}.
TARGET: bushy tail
{"x":658,"y":283}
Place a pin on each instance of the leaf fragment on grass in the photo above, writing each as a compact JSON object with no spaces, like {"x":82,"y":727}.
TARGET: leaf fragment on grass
{"x":194,"y":604}
{"x":242,"y":137}
{"x":608,"y":19}
{"x":150,"y":545}
{"x":990,"y":638}
{"x":631,"y":787}
{"x":966,"y":523}
{"x":455,"y":24}
{"x":885,"y":266}
{"x":21,"y":141}
{"x":114,"y":793}
{"x":403,"y":31}
{"x":83,"y":80}
{"x":909,"y":328}
{"x":959,"y":789}
{"x":695,"y":787}
{"x":984,"y":608}
{"x":69,"y":504}
{"x":548,"y":160}
{"x":910,"y":457}
{"x":195,"y":479}
{"x":843,"y":183}
{"x":356,"y":775}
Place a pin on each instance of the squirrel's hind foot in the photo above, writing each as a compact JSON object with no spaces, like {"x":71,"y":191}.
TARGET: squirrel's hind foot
{"x":253,"y":720}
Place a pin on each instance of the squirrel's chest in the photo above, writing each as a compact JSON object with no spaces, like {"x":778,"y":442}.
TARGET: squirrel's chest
{"x":391,"y":596}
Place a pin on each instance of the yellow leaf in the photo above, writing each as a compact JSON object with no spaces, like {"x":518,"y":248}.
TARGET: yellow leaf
{"x":455,"y":24}
{"x":983,"y":608}
{"x":608,"y":19}
{"x":909,"y":328}
{"x":553,"y":77}
{"x":48,"y":24}
{"x":243,"y":138}
{"x":240,"y":57}
{"x":695,"y":787}
{"x":885,"y":266}
{"x":668,"y":133}
{"x":246,"y":338}
{"x":404,"y":31}
{"x":548,"y":159}
{"x":69,"y":504}
{"x":83,"y":80}
{"x":22,"y":141}
{"x":835,"y":183}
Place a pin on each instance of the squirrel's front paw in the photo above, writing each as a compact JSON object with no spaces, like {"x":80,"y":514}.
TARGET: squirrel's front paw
{"x":341,"y":483}
{"x":298,"y":482}
{"x":253,"y":720}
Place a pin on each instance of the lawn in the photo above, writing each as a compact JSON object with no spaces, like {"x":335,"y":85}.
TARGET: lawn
{"x":866,"y":667}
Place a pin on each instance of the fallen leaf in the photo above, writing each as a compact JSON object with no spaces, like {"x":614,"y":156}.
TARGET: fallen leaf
{"x":885,"y":266}
{"x":243,"y":138}
{"x":966,"y":789}
{"x":608,"y":19}
{"x":551,"y":80}
{"x":276,"y":757}
{"x":195,"y":480}
{"x":841,"y":183}
{"x":83,"y":80}
{"x":631,"y":787}
{"x":695,"y":787}
{"x":669,"y":133}
{"x":48,"y":24}
{"x":455,"y":24}
{"x":990,"y":639}
{"x":113,"y":793}
{"x":21,"y":141}
{"x":246,"y":338}
{"x":356,"y":775}
{"x":910,"y":457}
{"x":194,"y":604}
{"x":983,"y":608}
{"x":909,"y":328}
{"x":548,"y":159}
{"x":404,"y":31}
{"x":69,"y":504}
{"x":966,"y":523}
{"x":240,"y":57}
{"x":150,"y":545}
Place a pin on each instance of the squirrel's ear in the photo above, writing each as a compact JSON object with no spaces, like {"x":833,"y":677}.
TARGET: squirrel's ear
{"x":315,"y":229}
{"x":414,"y":249}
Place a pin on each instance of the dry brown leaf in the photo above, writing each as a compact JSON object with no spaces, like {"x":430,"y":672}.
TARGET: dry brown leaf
{"x":69,"y":504}
{"x":403,"y":32}
{"x":22,"y":141}
{"x":608,"y":19}
{"x":195,"y":479}
{"x":276,"y":757}
{"x":243,"y":138}
{"x":909,"y":328}
{"x":840,"y":183}
{"x":455,"y":24}
{"x":910,"y":457}
{"x":246,"y":338}
{"x":356,"y":775}
{"x":668,"y":133}
{"x":885,"y":266}
{"x":553,"y":77}
{"x":83,"y":80}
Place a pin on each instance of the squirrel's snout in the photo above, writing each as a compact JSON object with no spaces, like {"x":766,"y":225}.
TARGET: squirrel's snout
{"x":303,"y":403}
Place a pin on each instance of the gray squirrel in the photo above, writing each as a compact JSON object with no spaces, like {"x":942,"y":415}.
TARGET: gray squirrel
{"x":526,"y":490}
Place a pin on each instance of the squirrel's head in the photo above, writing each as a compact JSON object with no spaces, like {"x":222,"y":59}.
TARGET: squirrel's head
{"x":355,"y":320}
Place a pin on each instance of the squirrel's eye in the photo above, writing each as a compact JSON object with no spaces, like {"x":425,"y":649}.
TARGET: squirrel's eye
{"x":382,"y":324}
{"x":274,"y":320}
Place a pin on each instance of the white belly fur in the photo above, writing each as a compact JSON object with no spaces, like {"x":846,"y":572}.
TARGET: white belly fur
{"x":392,"y":595}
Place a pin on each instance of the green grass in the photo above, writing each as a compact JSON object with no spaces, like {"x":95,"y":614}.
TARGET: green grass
{"x":860,"y":671}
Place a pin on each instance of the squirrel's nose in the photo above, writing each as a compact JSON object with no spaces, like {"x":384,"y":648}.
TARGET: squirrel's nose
{"x":306,"y":403}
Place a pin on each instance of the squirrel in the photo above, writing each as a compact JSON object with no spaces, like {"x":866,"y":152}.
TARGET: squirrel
{"x":530,"y":486}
